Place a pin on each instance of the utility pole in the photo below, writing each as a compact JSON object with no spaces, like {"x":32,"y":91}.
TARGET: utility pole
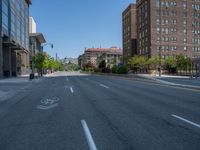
{"x":159,"y":68}
{"x":32,"y":75}
{"x":56,"y":56}
{"x":42,"y":50}
{"x":33,"y":65}
{"x":194,"y":45}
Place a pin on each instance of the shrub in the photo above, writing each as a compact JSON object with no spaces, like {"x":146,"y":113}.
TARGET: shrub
{"x":122,"y":69}
{"x":114,"y":69}
{"x":102,"y":64}
{"x":106,"y":70}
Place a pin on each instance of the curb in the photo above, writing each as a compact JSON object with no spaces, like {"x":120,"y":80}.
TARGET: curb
{"x":178,"y":85}
{"x":148,"y":78}
{"x":172,"y":84}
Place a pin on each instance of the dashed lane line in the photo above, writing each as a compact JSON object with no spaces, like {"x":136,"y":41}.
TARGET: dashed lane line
{"x":71,"y":89}
{"x":88,"y":136}
{"x":102,"y":85}
{"x":187,"y":121}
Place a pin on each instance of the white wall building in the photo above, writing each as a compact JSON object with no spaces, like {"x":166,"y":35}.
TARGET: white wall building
{"x":32,"y":25}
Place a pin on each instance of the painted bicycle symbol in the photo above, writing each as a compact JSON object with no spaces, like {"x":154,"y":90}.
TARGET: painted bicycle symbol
{"x":49,"y":101}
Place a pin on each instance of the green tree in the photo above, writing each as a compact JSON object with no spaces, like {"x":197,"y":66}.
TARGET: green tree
{"x":171,"y":64}
{"x":114,"y":69}
{"x":153,"y":62}
{"x":133,"y":63}
{"x":46,"y":62}
{"x":180,"y":62}
{"x":137,"y":62}
{"x":72,"y":67}
{"x":89,"y":67}
{"x":39,"y":60}
{"x":142,"y":61}
{"x":183,"y":63}
{"x":122,"y":69}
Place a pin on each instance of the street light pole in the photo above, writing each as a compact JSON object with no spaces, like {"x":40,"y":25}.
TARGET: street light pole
{"x":159,"y":69}
{"x":194,"y":45}
{"x":33,"y":65}
{"x":42,"y":48}
{"x":32,"y":75}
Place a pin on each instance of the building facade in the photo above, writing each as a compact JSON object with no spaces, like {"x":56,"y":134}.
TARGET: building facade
{"x":168,"y":28}
{"x":129,"y":23}
{"x":69,"y":60}
{"x":93,"y":55}
{"x":32,"y":25}
{"x":36,"y":41}
{"x":112,"y":58}
{"x":14,"y":40}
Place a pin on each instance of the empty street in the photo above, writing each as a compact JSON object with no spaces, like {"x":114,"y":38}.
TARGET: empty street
{"x":87,"y":112}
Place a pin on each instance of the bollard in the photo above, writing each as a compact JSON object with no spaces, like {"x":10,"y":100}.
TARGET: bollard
{"x":31,"y":76}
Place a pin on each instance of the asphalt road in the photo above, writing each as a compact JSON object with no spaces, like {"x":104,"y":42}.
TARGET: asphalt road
{"x":72,"y":111}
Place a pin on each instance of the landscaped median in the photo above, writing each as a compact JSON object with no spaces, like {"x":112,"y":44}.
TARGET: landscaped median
{"x":123,"y":76}
{"x":177,"y":85}
{"x":146,"y":78}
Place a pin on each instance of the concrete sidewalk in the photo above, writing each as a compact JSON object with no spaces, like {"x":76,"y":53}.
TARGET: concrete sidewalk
{"x":19,"y":80}
{"x":15,"y":80}
{"x":24,"y":79}
{"x":10,"y":87}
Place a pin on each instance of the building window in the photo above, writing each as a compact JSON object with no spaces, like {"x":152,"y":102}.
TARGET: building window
{"x":174,"y":39}
{"x":158,"y":3}
{"x":184,"y":6}
{"x":173,"y":48}
{"x":185,"y":31}
{"x":5,"y":16}
{"x":185,"y":40}
{"x":174,"y":21}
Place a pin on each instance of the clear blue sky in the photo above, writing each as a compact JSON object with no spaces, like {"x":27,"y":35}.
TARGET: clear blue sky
{"x":73,"y":25}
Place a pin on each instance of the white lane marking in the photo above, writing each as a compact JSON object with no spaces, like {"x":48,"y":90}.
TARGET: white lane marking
{"x":88,"y":135}
{"x":67,"y":79}
{"x":102,"y":85}
{"x":86,"y":79}
{"x":188,"y":121}
{"x":71,"y":89}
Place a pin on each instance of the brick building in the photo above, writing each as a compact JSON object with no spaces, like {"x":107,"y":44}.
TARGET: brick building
{"x":129,"y":23}
{"x":168,"y":28}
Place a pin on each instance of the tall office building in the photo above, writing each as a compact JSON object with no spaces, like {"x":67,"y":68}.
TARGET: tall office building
{"x":35,"y":40}
{"x":129,"y":23}
{"x":14,"y":39}
{"x":168,"y":28}
{"x":32,"y":25}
